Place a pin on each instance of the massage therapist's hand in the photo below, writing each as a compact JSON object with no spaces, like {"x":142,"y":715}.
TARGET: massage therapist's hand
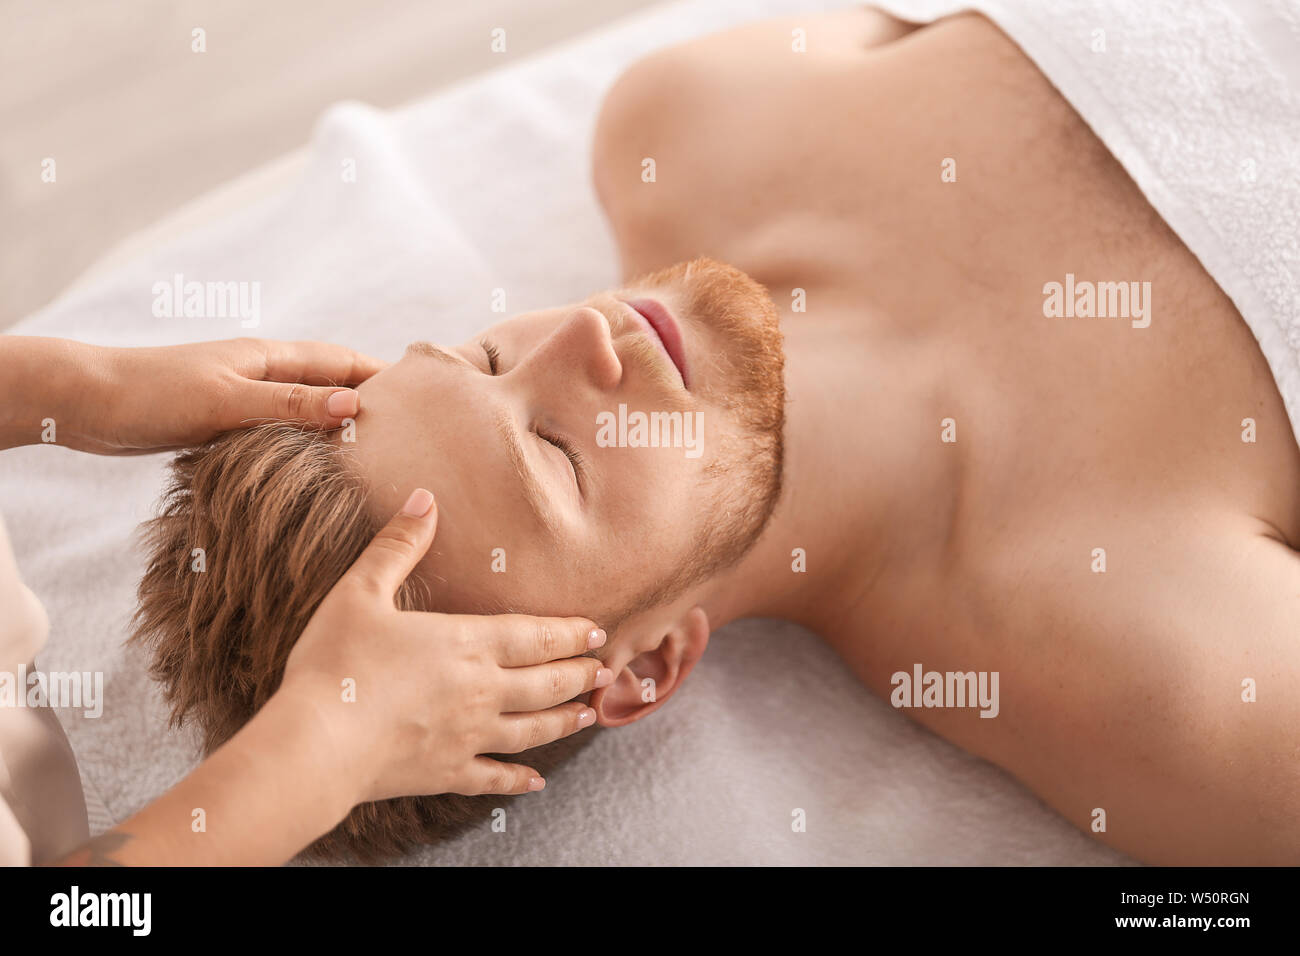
{"x":124,"y":401}
{"x":433,"y":692}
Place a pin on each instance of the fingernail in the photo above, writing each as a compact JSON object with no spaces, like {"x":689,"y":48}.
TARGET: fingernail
{"x":418,"y":505}
{"x":588,"y":716}
{"x":342,"y":403}
{"x":604,"y":677}
{"x":536,"y":783}
{"x":596,"y":638}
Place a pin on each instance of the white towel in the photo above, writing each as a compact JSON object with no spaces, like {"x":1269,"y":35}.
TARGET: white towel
{"x":488,"y":186}
{"x":1199,"y":100}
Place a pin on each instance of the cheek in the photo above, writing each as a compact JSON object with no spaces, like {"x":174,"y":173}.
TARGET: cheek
{"x":470,"y":569}
{"x":656,"y":500}
{"x":484,"y":561}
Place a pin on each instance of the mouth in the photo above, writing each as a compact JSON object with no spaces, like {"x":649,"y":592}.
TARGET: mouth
{"x":665,"y":330}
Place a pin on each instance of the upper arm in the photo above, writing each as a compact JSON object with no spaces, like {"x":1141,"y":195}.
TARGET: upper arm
{"x":1172,"y":700}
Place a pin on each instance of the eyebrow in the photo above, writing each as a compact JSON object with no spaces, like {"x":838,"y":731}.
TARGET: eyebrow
{"x":434,"y":351}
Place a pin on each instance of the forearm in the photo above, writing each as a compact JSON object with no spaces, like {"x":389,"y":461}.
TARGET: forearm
{"x":266,"y":794}
{"x":51,"y":388}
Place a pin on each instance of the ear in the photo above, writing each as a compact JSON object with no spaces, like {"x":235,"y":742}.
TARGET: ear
{"x":651,"y":677}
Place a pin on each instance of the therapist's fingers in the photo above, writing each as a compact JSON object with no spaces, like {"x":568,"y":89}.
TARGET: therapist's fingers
{"x":316,"y":363}
{"x":520,"y":732}
{"x":496,"y":776}
{"x":545,"y":685}
{"x":393,"y":553}
{"x":521,"y":640}
{"x":291,"y":402}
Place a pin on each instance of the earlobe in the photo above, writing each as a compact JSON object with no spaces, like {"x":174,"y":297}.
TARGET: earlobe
{"x":653,"y":676}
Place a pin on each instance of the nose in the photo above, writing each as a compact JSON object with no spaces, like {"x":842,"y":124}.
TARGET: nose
{"x":582,"y":350}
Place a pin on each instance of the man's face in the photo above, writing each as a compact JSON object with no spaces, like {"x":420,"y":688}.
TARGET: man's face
{"x":538,"y":439}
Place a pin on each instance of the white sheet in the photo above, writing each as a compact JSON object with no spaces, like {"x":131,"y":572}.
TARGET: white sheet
{"x":484,"y":187}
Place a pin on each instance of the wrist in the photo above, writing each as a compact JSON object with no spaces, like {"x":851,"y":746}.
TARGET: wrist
{"x":309,"y":726}
{"x":55,"y":391}
{"x":270,"y":791}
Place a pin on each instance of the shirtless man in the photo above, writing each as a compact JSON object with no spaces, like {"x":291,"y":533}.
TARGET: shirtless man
{"x":1066,"y":502}
{"x":1120,"y":690}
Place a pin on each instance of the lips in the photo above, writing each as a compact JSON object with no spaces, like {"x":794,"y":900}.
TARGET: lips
{"x":667,"y":330}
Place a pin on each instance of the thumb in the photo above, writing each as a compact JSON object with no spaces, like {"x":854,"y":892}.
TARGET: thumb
{"x":393,"y":554}
{"x":295,"y":402}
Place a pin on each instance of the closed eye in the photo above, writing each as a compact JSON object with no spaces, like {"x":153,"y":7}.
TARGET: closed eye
{"x":493,"y":355}
{"x":576,"y":461}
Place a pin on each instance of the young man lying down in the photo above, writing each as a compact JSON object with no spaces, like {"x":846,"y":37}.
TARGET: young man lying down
{"x":938,"y":478}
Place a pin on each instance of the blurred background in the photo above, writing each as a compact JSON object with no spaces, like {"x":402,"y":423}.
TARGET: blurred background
{"x":138,"y":124}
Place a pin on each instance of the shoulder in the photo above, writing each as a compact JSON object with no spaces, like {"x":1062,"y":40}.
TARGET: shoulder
{"x":682,"y":98}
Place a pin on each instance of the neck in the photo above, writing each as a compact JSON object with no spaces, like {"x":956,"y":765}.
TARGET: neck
{"x":868,"y":488}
